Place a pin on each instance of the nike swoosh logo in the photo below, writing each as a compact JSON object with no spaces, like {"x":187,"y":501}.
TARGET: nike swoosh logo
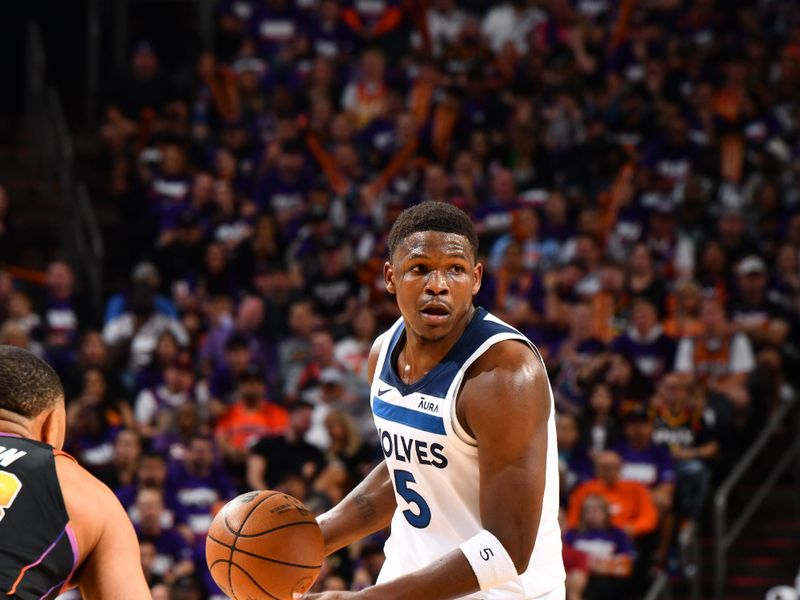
{"x":381,"y":392}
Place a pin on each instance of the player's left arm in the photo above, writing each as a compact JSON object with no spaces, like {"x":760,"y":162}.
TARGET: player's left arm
{"x":505,"y":405}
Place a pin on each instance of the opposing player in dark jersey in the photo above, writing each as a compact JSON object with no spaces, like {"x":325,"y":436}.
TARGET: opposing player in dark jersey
{"x":59,"y":526}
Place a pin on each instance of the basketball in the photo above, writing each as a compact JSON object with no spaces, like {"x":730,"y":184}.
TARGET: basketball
{"x":264,"y":545}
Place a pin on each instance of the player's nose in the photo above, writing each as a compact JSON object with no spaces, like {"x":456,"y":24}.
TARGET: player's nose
{"x":436,"y":283}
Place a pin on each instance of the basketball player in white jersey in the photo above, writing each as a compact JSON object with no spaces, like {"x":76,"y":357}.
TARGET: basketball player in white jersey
{"x":465,"y":417}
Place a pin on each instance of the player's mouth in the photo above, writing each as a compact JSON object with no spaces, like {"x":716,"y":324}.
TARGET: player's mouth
{"x":434,"y":313}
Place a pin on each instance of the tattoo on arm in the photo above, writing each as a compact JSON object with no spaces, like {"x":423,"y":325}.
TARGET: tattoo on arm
{"x":365,"y":508}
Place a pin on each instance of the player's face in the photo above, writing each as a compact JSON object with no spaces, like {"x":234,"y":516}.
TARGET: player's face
{"x":434,"y":277}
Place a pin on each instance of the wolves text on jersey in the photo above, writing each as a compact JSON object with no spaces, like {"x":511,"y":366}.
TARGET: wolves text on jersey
{"x":408,"y":450}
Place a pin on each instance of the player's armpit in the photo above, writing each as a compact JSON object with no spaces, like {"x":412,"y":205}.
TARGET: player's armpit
{"x":505,"y":403}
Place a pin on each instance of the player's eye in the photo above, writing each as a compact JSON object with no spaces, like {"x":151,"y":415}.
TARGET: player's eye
{"x":418,"y":269}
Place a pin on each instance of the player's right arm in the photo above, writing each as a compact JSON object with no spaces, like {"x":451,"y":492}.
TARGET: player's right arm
{"x":110,"y":564}
{"x":371,"y":504}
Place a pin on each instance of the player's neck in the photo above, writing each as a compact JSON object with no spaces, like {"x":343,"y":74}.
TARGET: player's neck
{"x":418,"y":355}
{"x":13,"y":424}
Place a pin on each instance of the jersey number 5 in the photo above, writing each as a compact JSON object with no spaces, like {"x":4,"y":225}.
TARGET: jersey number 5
{"x":9,"y":488}
{"x":422,"y":518}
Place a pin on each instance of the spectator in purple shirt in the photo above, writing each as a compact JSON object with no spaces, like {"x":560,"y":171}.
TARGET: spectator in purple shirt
{"x":645,"y":342}
{"x":173,"y":553}
{"x":200,"y":484}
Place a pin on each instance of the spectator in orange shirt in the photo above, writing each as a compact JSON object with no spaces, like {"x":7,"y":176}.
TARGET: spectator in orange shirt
{"x":249,"y":419}
{"x":632,"y":508}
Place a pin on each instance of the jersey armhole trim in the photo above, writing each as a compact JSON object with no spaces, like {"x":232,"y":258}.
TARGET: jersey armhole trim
{"x":468,"y":442}
{"x":73,"y":541}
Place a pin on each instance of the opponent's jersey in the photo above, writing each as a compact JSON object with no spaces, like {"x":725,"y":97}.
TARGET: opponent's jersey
{"x":433,"y":464}
{"x":38,"y":549}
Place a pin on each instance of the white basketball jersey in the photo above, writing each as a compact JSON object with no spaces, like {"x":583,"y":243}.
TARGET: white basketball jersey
{"x":433,"y":464}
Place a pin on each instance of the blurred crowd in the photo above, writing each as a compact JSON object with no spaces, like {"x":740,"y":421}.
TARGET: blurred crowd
{"x":633,"y":171}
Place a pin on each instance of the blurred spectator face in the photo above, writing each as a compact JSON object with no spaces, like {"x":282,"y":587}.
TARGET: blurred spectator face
{"x":127,"y":447}
{"x":329,"y":10}
{"x":713,"y":259}
{"x":252,"y":390}
{"x":334,"y":583}
{"x":93,"y":349}
{"x":290,"y":164}
{"x":215,"y":259}
{"x":688,"y":297}
{"x":555,"y":208}
{"x":595,"y":512}
{"x":144,"y":62}
{"x":612,"y":278}
{"x":673,"y":391}
{"x":644,"y":317}
{"x":202,"y":189}
{"x":601,"y":400}
{"x":405,"y":128}
{"x":160,"y":592}
{"x":226,"y":167}
{"x":147,"y":554}
{"x":567,"y":434}
{"x":301,"y":319}
{"x":641,"y":262}
{"x":620,"y":371}
{"x":250,"y":315}
{"x":152,"y":471}
{"x":436,"y":182}
{"x":94,"y":385}
{"x":238,"y":358}
{"x":372,"y":66}
{"x":346,"y":157}
{"x":512,"y":259}
{"x":200,"y":455}
{"x":225,"y":199}
{"x":753,"y":284}
{"x":13,"y":334}
{"x":341,"y":129}
{"x":166,"y":348}
{"x":206,"y":65}
{"x":731,"y":227}
{"x":172,"y":378}
{"x":150,"y":505}
{"x":174,"y":161}
{"x":60,"y":280}
{"x":301,"y":419}
{"x":322,"y":347}
{"x":639,"y":432}
{"x":364,"y":324}
{"x":786,"y":261}
{"x":333,"y":261}
{"x":142,"y":302}
{"x":525,"y":224}
{"x":186,"y":418}
{"x":503,"y":186}
{"x":712,"y":315}
{"x":607,"y":467}
{"x":19,"y":305}
{"x":581,"y":320}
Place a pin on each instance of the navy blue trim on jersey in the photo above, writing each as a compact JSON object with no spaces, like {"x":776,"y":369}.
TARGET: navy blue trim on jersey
{"x":437,"y":381}
{"x":408,"y":416}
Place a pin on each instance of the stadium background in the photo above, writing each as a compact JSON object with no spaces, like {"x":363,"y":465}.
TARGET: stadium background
{"x":195,"y":198}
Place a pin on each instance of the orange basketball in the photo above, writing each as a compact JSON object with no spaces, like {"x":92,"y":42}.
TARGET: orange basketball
{"x":264,"y":545}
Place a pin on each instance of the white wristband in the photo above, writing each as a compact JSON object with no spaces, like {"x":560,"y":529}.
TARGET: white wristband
{"x":489,"y":560}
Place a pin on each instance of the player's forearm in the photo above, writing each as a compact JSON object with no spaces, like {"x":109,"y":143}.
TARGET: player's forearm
{"x":449,"y":577}
{"x":365,"y":510}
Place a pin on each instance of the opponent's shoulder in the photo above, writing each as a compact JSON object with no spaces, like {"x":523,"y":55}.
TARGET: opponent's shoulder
{"x":89,"y":502}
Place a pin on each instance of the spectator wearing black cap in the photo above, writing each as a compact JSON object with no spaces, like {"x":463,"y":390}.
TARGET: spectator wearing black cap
{"x":335,"y":289}
{"x":275,"y":457}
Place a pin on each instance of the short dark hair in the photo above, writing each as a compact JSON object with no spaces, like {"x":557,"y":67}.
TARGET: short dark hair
{"x":432,"y":216}
{"x":28,"y":385}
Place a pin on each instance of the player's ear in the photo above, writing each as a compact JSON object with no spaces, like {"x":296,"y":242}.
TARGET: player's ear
{"x":477,"y":273}
{"x":388,"y":277}
{"x":53,"y":425}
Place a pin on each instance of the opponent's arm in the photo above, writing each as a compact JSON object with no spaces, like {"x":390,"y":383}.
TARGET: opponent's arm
{"x":369,"y":507}
{"x":505,"y":404}
{"x":111,"y":567}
